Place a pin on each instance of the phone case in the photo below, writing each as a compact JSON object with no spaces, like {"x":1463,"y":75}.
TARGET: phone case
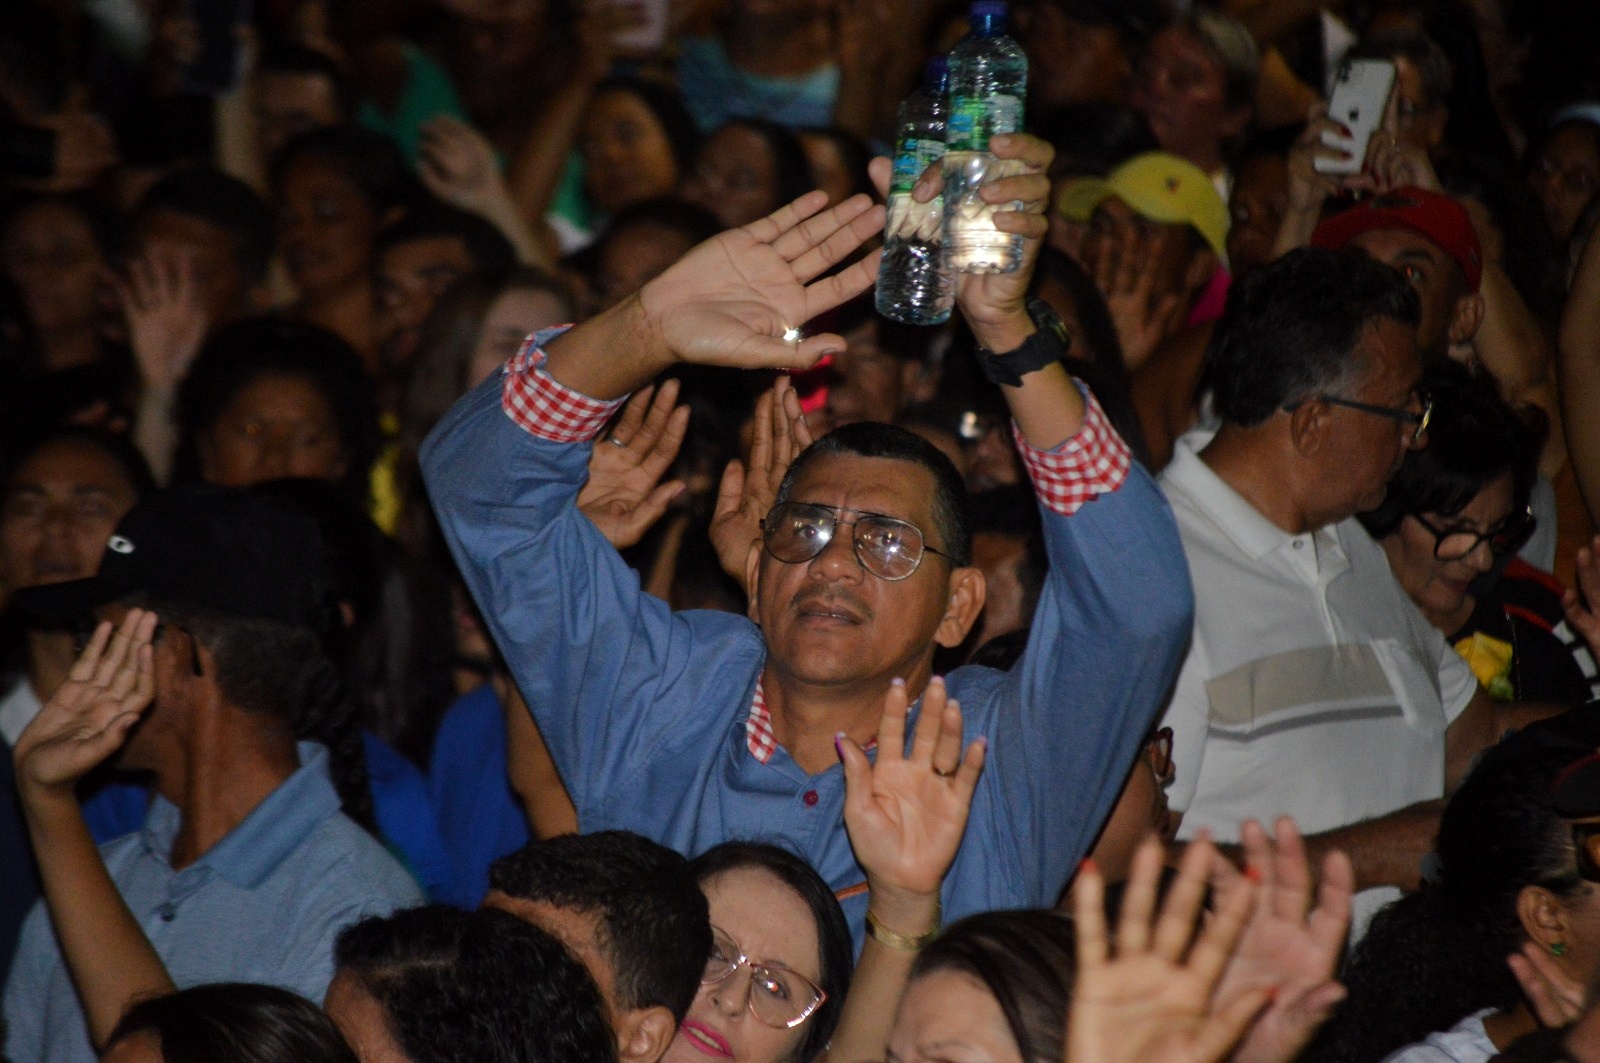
{"x":1360,"y":97}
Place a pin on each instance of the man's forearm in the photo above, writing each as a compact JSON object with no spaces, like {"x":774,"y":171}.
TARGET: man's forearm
{"x":1387,"y":851}
{"x":609,"y":356}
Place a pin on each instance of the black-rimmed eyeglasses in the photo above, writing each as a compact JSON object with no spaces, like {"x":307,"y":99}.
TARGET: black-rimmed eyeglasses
{"x":1420,"y":418}
{"x":1453,"y":544}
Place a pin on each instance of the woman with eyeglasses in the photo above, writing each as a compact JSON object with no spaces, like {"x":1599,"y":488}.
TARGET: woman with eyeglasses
{"x":1455,"y":516}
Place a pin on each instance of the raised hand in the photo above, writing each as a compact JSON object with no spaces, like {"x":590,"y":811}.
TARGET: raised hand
{"x":86,"y":721}
{"x":457,"y":164}
{"x":1556,"y":997}
{"x":906,"y":812}
{"x":1142,"y":313}
{"x":166,"y":316}
{"x":1289,"y":948}
{"x":778,"y":434}
{"x":1149,"y":998}
{"x":731,"y":300}
{"x":624,"y":494}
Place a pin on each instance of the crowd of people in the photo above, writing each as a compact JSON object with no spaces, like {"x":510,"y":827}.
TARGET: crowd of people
{"x":480,"y":581}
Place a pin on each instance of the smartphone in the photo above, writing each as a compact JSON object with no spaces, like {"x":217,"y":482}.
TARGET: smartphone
{"x":215,"y":70}
{"x":1360,"y":97}
{"x":651,"y":32}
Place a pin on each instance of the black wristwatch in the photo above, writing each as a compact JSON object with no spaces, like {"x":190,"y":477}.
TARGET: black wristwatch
{"x":1037,"y":351}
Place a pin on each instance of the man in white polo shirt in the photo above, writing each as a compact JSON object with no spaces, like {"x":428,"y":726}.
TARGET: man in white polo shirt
{"x":1313,"y":687}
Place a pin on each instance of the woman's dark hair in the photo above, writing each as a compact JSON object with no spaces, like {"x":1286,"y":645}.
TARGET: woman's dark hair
{"x":790,"y":168}
{"x":396,"y":645}
{"x":246,"y":351}
{"x":281,"y":670}
{"x":477,"y":987}
{"x":836,"y":952}
{"x":232,"y":1022}
{"x":1026,"y":960}
{"x":1439,"y":954}
{"x":1095,"y":137}
{"x":669,"y":110}
{"x":369,"y":160}
{"x":1474,"y":438}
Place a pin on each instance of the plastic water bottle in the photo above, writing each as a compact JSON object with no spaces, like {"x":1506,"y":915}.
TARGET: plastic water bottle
{"x":988,"y":80}
{"x":913,"y":281}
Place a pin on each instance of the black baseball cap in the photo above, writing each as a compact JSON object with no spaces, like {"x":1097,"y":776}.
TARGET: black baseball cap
{"x":222,"y":548}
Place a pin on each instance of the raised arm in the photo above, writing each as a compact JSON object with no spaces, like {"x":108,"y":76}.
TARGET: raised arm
{"x":111,"y":962}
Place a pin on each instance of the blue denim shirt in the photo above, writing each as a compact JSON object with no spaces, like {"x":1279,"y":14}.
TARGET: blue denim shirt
{"x":262,"y":905}
{"x":644,"y":709}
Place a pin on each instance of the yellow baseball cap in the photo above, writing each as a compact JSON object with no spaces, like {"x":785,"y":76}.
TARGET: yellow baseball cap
{"x":1157,"y":186}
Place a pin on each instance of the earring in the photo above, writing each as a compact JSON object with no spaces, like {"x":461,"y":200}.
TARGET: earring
{"x":1558,"y":948}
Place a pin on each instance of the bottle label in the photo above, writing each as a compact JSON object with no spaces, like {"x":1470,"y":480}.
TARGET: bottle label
{"x":974,"y":119}
{"x":915,"y":155}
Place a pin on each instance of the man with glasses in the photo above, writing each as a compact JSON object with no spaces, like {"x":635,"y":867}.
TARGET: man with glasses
{"x":698,"y":727}
{"x":1313,"y":687}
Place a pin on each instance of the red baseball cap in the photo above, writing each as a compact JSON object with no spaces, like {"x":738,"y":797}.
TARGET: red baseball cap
{"x":1431,"y":215}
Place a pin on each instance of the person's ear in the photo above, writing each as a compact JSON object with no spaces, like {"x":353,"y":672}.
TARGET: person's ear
{"x":1544,"y":920}
{"x":968,"y":590}
{"x":1308,"y":427}
{"x":1466,"y":318}
{"x":752,"y":580}
{"x":644,"y":1034}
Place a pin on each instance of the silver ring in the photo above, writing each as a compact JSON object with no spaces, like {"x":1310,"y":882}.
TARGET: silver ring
{"x":614,"y":441}
{"x":793,"y":335}
{"x":951,"y":774}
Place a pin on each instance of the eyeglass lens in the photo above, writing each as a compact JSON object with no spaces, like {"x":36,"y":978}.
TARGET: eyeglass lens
{"x":887,"y":547}
{"x":779,"y":997}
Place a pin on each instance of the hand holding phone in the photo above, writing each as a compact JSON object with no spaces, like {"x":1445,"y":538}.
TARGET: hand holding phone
{"x":1360,"y":98}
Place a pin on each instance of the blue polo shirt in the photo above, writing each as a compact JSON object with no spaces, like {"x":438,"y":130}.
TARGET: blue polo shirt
{"x":480,"y":819}
{"x":262,"y":905}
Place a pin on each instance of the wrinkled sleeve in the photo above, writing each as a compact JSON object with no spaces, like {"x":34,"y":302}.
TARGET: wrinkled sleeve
{"x":588,"y":648}
{"x":1110,"y":630}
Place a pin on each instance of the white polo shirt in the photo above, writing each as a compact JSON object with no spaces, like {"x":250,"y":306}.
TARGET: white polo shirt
{"x":1313,"y":686}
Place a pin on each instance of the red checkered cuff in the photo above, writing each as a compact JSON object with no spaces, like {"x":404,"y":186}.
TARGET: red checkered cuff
{"x":1091,"y":463}
{"x":542,"y":406}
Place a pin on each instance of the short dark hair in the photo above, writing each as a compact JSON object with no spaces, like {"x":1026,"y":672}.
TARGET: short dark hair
{"x":369,"y":160}
{"x":1012,"y":510}
{"x":1474,"y":438}
{"x":486,"y":246}
{"x":868,"y":439}
{"x":652,"y":916}
{"x":1291,"y":327}
{"x":288,"y":57}
{"x":480,"y":986}
{"x":1025,"y":959}
{"x":206,"y":193}
{"x":836,"y":952}
{"x":236,"y":1022}
{"x":245,"y":351}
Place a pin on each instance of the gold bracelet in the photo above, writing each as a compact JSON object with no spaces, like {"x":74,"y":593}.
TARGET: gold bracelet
{"x":896,"y":940}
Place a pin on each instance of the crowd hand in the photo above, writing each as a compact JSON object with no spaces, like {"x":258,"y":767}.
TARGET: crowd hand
{"x":1289,"y":948}
{"x":84,"y":149}
{"x":109,"y":687}
{"x":1150,"y":998}
{"x":1579,"y":605}
{"x":1126,"y":275}
{"x":748,"y":490}
{"x":998,"y":300}
{"x":458,"y":165}
{"x":1394,"y":163}
{"x":1308,"y":189}
{"x":731,"y":300}
{"x":906,"y":813}
{"x":166,"y":318}
{"x":624,"y":495}
{"x":1555,"y":996}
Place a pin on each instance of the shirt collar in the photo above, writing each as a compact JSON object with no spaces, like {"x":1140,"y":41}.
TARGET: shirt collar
{"x":1251,"y":532}
{"x":249,"y":853}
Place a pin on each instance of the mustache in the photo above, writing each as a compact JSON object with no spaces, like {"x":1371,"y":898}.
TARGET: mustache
{"x":832,"y":600}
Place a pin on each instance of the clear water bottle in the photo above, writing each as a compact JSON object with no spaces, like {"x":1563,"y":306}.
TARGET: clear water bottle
{"x":913,"y":281}
{"x":988,"y":79}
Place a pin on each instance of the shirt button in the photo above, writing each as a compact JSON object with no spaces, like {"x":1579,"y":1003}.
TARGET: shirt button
{"x":811,"y":799}
{"x":1299,"y":544}
{"x":167,"y":912}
